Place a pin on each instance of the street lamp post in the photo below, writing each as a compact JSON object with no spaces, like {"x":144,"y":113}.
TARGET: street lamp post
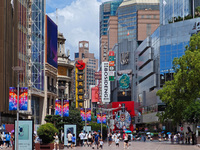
{"x":62,"y":88}
{"x":17,"y":69}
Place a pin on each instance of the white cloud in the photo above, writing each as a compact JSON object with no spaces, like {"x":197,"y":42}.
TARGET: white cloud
{"x":79,"y":21}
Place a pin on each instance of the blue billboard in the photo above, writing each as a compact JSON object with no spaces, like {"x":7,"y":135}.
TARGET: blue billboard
{"x":51,"y":42}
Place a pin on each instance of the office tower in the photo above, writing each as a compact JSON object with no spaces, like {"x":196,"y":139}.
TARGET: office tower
{"x":127,"y":17}
{"x":90,"y":61}
{"x":176,"y":8}
{"x":107,"y":9}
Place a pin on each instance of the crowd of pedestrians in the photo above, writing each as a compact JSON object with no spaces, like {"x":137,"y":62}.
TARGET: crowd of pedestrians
{"x":6,"y":140}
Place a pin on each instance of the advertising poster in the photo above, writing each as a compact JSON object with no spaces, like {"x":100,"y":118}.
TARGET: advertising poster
{"x":67,"y":128}
{"x":25,"y":134}
{"x":82,"y":112}
{"x":51,"y":44}
{"x":23,"y":98}
{"x":88,"y":114}
{"x":65,"y":108}
{"x":103,"y":118}
{"x":58,"y":109}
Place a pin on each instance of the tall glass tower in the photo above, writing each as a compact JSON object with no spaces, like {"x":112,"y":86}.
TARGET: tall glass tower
{"x":107,"y":9}
{"x":176,"y":8}
{"x":127,"y":17}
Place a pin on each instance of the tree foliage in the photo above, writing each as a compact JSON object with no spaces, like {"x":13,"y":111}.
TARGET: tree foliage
{"x":46,"y":132}
{"x":97,"y":127}
{"x":183,"y":91}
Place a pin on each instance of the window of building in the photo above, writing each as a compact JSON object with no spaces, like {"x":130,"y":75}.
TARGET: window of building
{"x":142,"y":16}
{"x":148,"y":29}
{"x":154,"y":16}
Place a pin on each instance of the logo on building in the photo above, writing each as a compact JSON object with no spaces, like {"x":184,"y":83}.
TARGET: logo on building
{"x":80,"y":65}
{"x":105,"y":82}
{"x":124,"y":81}
{"x":124,"y":58}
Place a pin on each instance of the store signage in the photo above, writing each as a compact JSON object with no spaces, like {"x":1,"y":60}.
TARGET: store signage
{"x":111,"y":65}
{"x":105,"y":82}
{"x":124,"y":81}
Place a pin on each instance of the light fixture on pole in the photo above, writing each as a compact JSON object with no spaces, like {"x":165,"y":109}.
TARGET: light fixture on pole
{"x":62,"y":88}
{"x":17,"y":69}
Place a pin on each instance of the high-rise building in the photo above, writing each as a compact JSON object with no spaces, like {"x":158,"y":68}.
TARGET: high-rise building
{"x":91,"y":64}
{"x":127,"y":17}
{"x":8,"y":56}
{"x":176,"y":8}
{"x":107,"y":9}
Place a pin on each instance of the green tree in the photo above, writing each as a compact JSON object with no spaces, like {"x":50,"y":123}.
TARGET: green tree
{"x":46,"y":132}
{"x":184,"y":90}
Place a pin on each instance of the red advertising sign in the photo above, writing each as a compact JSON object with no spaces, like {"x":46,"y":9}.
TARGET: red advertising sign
{"x":111,"y":63}
{"x":95,"y":94}
{"x":111,"y":53}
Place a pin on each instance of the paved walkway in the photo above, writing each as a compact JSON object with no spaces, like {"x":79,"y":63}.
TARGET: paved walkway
{"x":144,"y":146}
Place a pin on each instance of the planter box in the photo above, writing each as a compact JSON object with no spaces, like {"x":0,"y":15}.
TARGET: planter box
{"x":39,"y":146}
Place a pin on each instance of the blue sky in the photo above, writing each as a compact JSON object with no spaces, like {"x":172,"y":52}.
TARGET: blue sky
{"x":78,"y":20}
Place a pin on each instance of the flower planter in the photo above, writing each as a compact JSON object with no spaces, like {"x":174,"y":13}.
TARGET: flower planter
{"x":39,"y":146}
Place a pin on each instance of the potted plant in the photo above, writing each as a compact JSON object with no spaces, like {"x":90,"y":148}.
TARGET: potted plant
{"x":46,"y":133}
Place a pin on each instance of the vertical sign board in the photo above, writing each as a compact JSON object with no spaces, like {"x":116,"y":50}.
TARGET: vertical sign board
{"x":67,"y":128}
{"x":105,"y":82}
{"x":25,"y":138}
{"x":111,"y":65}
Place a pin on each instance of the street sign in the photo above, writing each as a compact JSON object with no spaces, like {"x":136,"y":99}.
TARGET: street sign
{"x":111,"y":78}
{"x":111,"y":58}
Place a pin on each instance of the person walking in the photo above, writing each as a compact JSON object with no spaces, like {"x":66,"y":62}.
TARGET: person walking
{"x":69,"y":138}
{"x":81,"y":136}
{"x":8,"y":139}
{"x":90,"y":139}
{"x":101,"y":144}
{"x":96,"y":138}
{"x":110,"y":139}
{"x":117,"y":141}
{"x":73,"y":141}
{"x":85,"y":139}
{"x":126,"y":141}
{"x":56,"y":142}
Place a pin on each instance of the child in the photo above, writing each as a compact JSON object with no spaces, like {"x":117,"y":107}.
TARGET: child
{"x":101,"y":144}
{"x":117,"y":141}
{"x":73,"y":141}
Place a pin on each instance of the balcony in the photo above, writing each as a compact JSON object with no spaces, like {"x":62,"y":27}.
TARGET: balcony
{"x":52,"y":89}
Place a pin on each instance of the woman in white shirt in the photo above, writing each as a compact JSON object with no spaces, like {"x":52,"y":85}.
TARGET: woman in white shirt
{"x":126,"y":141}
{"x":56,"y":142}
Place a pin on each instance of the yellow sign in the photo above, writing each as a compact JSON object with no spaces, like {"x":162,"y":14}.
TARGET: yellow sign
{"x":80,"y":77}
{"x":80,"y":90}
{"x":80,"y":83}
{"x":80,"y":97}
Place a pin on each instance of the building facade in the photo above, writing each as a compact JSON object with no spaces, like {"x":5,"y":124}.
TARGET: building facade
{"x":107,"y":9}
{"x":176,"y":8}
{"x":91,"y":64}
{"x":127,"y":17}
{"x":65,"y":67}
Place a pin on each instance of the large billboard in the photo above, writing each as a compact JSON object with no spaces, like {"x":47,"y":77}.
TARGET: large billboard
{"x":23,"y":98}
{"x":105,"y":82}
{"x":51,"y":42}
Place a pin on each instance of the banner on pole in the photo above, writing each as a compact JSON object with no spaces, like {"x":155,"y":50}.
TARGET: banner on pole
{"x":99,"y":118}
{"x":88,"y":114}
{"x":23,"y":98}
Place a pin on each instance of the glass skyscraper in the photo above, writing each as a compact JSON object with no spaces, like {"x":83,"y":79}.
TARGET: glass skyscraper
{"x":107,"y":9}
{"x":176,"y":8}
{"x":127,"y":17}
